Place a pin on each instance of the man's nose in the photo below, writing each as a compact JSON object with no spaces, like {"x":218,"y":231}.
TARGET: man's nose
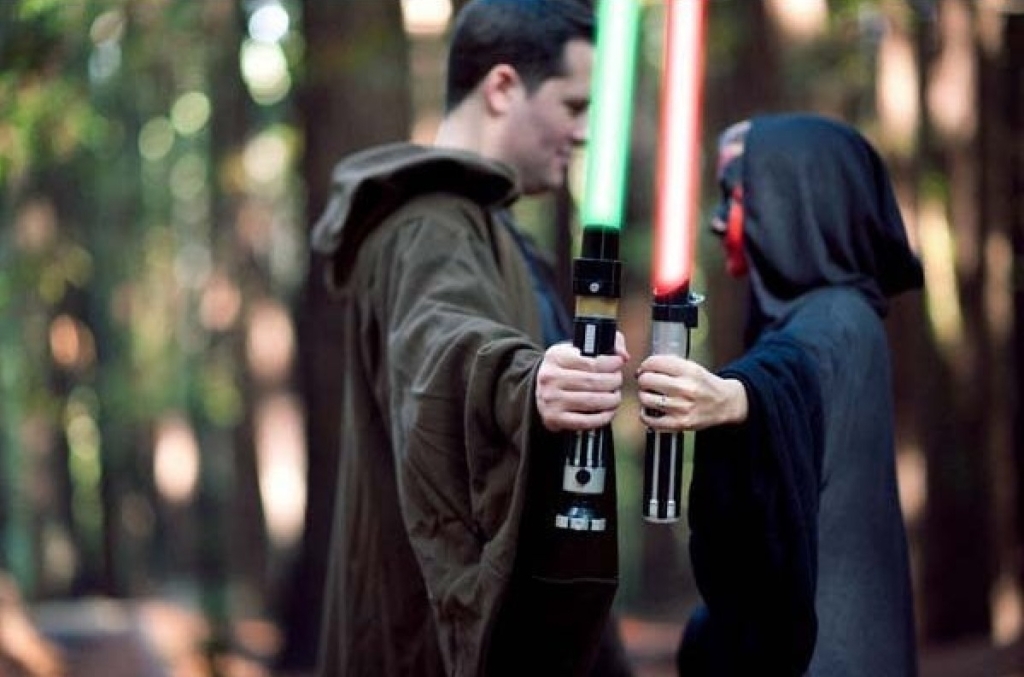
{"x":579,"y":132}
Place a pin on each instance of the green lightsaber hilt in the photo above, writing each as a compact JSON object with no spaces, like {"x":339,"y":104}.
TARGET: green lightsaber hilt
{"x":589,"y":454}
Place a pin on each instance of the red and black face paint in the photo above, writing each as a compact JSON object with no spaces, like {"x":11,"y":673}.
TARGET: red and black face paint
{"x":728,"y":217}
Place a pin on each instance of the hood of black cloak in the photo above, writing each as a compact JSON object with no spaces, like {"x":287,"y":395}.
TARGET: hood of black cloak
{"x":819,"y":211}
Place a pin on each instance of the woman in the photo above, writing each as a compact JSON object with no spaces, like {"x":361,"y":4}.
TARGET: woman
{"x":797,"y":541}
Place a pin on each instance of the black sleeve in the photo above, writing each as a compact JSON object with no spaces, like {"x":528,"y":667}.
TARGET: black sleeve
{"x":753,"y":520}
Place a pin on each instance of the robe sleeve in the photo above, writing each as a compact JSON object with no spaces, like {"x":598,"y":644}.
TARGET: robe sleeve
{"x":460,"y":376}
{"x":753,"y":520}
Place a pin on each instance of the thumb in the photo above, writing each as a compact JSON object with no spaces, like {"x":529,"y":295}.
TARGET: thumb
{"x":620,"y":346}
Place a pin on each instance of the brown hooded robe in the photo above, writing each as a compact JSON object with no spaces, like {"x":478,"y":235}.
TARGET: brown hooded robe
{"x":439,"y":430}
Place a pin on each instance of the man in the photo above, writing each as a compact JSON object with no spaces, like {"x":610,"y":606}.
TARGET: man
{"x":796,"y":535}
{"x":451,"y":407}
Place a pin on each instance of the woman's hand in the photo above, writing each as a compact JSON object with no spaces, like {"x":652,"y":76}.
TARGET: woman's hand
{"x":677,"y":394}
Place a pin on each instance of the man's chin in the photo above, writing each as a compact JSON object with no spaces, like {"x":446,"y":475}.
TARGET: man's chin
{"x":540,"y":188}
{"x":557,"y":180}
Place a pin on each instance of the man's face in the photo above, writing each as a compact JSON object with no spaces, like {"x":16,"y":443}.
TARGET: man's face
{"x":544,"y":128}
{"x":728,"y":217}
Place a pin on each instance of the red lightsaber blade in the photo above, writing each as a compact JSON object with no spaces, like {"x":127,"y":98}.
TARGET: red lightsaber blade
{"x":678,"y":168}
{"x":674,"y":311}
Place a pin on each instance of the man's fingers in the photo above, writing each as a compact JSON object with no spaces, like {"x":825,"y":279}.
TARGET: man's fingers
{"x":575,"y":420}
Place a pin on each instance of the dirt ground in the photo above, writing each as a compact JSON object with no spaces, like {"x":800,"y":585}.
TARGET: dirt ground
{"x":159,"y":638}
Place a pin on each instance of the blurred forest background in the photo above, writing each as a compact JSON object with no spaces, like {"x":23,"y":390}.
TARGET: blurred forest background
{"x":168,"y":363}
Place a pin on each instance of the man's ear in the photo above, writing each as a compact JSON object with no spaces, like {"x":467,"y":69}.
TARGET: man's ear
{"x":500,"y":87}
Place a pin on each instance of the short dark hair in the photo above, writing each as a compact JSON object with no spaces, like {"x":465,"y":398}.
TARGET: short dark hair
{"x":529,"y":35}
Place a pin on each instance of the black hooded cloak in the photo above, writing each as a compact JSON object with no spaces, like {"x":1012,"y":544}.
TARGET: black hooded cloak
{"x":797,"y":540}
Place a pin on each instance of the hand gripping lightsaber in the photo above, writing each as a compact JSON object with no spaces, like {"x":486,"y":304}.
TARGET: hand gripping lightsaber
{"x":589,"y":458}
{"x":674,"y":310}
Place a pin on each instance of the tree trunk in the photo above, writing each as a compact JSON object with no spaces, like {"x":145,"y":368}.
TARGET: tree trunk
{"x":356,"y":95}
{"x":957,"y":362}
{"x":1013,"y":106}
{"x":1001,"y":76}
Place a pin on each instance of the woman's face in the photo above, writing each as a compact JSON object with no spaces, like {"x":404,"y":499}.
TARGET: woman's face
{"x":727,"y":220}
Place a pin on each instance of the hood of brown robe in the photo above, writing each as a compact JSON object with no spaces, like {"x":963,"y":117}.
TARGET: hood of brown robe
{"x":370,"y":185}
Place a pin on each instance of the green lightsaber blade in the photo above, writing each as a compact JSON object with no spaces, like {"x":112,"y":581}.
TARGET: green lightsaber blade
{"x":610,"y":116}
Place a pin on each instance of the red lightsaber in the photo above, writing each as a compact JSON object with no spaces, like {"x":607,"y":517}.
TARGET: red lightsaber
{"x":674,"y":311}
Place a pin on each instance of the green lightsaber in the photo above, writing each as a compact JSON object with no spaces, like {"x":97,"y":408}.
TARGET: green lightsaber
{"x":588,"y":488}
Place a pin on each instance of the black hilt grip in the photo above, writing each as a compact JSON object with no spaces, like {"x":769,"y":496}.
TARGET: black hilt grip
{"x":594,"y":335}
{"x":663,"y":477}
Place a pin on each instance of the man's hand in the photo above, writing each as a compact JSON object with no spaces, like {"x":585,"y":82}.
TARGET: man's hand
{"x":576,"y":392}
